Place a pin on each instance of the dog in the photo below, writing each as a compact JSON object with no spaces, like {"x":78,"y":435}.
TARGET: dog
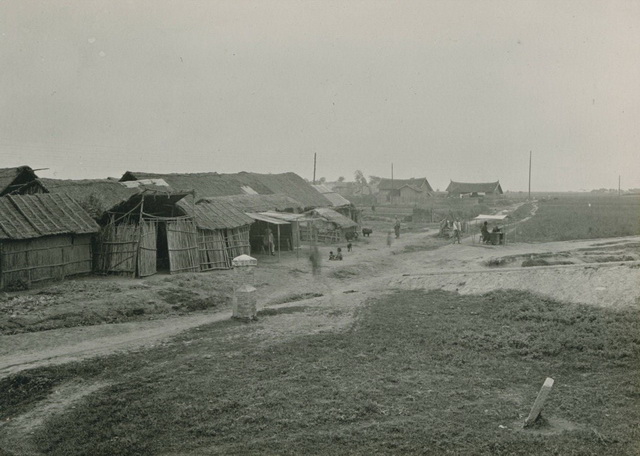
{"x":366,"y":231}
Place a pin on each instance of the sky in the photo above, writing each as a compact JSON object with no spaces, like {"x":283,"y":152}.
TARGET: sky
{"x":448,"y":90}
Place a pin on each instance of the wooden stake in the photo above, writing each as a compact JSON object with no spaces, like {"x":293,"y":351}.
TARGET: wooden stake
{"x":539,"y":403}
{"x":529,"y":175}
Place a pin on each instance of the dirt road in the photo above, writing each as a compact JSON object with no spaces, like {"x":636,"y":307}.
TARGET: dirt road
{"x":411,"y":262}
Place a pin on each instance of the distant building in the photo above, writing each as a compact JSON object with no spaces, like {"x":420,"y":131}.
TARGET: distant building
{"x":404,"y":190}
{"x":460,"y":189}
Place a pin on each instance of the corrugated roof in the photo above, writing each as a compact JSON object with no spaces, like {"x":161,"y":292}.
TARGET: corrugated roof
{"x":259,"y":203}
{"x":216,"y":214}
{"x":334,"y":217}
{"x":32,"y":216}
{"x":12,"y":179}
{"x":334,"y":198}
{"x":389,"y":184}
{"x":469,"y":187}
{"x":214,"y":184}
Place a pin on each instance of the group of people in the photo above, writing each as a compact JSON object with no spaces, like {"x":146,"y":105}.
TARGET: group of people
{"x":337,"y":256}
{"x":485,"y":234}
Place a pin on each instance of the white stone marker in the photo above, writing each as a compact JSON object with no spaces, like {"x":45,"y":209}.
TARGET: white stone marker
{"x":244,"y":296}
{"x":539,"y":403}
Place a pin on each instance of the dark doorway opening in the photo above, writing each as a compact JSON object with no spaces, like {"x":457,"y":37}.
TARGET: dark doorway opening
{"x":162,"y":246}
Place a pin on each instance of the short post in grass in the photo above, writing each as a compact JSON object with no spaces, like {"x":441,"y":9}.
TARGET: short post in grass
{"x":244,"y":294}
{"x":536,"y":410}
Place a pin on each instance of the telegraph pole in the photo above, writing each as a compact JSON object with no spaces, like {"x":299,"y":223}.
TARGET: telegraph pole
{"x":391,"y":176}
{"x":618,"y":184}
{"x":529,"y":175}
{"x":314,"y":168}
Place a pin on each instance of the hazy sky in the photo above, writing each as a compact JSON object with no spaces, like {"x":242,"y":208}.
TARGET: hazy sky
{"x":458,"y":90}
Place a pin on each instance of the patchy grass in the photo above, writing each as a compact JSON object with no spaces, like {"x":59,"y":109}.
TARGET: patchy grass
{"x":97,"y":300}
{"x":296,"y":297}
{"x":282,"y":311}
{"x":582,"y":217}
{"x":419,"y":373}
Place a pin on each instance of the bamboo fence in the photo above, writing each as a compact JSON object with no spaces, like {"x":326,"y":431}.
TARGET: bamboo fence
{"x":238,"y":241}
{"x":118,"y":249}
{"x":46,"y":258}
{"x":213,"y":250}
{"x":147,"y":250}
{"x":182,"y":240}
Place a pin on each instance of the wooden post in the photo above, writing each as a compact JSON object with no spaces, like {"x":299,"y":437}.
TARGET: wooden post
{"x":529,"y":175}
{"x":279,"y":241}
{"x":539,"y":403}
{"x":314,"y":169}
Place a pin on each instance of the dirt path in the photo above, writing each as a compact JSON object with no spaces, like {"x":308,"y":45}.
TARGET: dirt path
{"x":328,"y":303}
{"x":371,"y":268}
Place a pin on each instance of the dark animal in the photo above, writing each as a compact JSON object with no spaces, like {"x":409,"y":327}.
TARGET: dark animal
{"x":366,"y":231}
{"x":349,"y":247}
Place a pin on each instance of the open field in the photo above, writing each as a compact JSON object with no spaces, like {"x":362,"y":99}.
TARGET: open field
{"x":582,"y":216}
{"x":421,"y":347}
{"x":459,"y":380}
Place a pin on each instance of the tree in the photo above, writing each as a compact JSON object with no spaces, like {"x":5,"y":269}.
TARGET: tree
{"x":341,"y":179}
{"x":374,"y":179}
{"x":322,"y":180}
{"x":359,"y":177}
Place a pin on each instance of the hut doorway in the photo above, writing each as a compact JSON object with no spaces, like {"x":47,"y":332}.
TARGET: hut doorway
{"x":141,"y":243}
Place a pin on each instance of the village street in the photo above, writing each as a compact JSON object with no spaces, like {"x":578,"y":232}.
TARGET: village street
{"x":415,"y":261}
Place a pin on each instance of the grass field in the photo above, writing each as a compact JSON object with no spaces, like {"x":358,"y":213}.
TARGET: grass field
{"x":417,"y":373}
{"x":582,"y":216}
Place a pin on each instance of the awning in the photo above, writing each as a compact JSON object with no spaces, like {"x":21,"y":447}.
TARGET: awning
{"x":491,"y":217}
{"x":266,"y":218}
{"x":289,"y":217}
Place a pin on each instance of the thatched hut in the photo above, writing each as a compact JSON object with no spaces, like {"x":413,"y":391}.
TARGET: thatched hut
{"x":461,"y":189}
{"x":21,"y":180}
{"x":213,"y":184}
{"x":339,"y":203}
{"x":223,"y":232}
{"x":146,"y":233}
{"x":328,"y":226}
{"x":96,"y":196}
{"x":268,"y":213}
{"x":43,"y":237}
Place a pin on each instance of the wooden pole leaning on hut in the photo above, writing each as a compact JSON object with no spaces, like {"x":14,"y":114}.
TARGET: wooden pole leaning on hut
{"x":279,"y":241}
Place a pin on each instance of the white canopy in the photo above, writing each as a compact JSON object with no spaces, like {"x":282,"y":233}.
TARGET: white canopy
{"x":483,"y":217}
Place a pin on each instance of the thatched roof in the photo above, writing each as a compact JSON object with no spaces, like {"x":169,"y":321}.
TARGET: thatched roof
{"x":334,"y":198}
{"x":97,"y":196}
{"x":12,"y":179}
{"x":214,"y":184}
{"x":394,"y":184}
{"x":259,"y":203}
{"x":468,"y":187}
{"x":33,"y":216}
{"x":216,"y":214}
{"x":332,"y":216}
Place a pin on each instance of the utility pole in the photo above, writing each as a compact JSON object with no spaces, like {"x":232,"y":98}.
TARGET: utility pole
{"x":391,"y":176}
{"x":529,"y":175}
{"x":314,"y":168}
{"x":618,"y":184}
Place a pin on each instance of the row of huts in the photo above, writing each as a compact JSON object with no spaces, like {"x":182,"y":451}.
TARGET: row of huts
{"x":403,"y":191}
{"x":143,"y":223}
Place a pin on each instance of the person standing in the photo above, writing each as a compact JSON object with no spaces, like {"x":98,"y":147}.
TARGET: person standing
{"x":485,"y":232}
{"x":396,"y":228}
{"x":269,"y":242}
{"x":457,"y":230}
